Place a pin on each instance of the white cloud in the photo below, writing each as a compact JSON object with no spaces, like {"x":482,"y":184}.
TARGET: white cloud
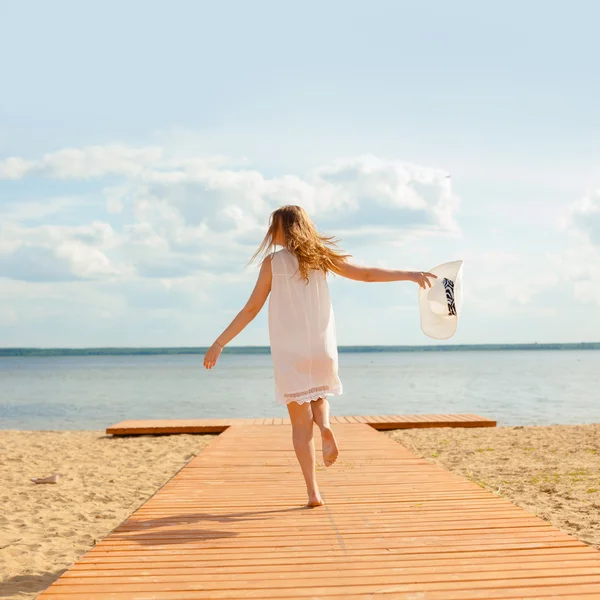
{"x":98,"y":161}
{"x":498,"y":258}
{"x":369,"y":191}
{"x":58,"y":253}
{"x":84,"y":163}
{"x":162,"y":234}
{"x":499,"y":283}
{"x":115,"y":198}
{"x":12,"y":211}
{"x":584,"y":216}
{"x":579,"y":264}
{"x":182,"y":215}
{"x":14,"y":168}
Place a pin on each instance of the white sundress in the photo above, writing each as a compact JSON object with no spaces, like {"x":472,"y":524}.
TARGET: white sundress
{"x":302,"y":333}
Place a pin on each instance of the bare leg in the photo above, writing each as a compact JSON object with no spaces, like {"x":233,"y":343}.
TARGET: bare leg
{"x":304,"y":446}
{"x":320,"y":411}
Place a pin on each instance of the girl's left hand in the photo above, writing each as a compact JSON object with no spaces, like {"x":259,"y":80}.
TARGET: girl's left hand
{"x":422,"y":278}
{"x":212,"y":355}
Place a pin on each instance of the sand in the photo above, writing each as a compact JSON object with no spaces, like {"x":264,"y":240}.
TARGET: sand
{"x":45,"y":528}
{"x":551,"y":471}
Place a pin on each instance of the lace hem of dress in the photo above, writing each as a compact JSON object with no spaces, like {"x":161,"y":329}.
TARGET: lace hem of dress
{"x":311,"y":394}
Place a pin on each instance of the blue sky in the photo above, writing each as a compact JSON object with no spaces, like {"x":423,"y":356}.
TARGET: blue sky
{"x":144,"y":144}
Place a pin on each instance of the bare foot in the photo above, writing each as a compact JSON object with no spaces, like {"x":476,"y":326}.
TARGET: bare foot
{"x":314,"y":500}
{"x":330,"y":448}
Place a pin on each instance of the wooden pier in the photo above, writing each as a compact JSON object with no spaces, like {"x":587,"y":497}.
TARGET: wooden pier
{"x":231,"y":525}
{"x":170,"y":426}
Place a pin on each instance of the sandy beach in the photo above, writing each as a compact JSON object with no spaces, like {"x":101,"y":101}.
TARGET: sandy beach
{"x":553,"y":472}
{"x":45,"y":528}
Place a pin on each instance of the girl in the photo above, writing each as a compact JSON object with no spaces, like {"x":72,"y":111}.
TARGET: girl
{"x":302,"y":328}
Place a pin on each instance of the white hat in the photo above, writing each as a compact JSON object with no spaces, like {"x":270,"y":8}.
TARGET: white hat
{"x":441,"y":304}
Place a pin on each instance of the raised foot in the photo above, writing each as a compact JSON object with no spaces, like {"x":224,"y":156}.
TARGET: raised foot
{"x":330,"y":448}
{"x":314,"y":500}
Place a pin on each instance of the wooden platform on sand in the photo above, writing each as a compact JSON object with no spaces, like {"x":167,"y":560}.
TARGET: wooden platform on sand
{"x":230,"y":525}
{"x":170,"y":426}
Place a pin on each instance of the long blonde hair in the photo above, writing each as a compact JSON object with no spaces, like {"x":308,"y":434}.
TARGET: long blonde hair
{"x":313,"y":250}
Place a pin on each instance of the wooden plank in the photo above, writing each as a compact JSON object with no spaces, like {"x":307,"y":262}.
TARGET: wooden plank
{"x":173,"y":426}
{"x":364,"y":556}
{"x":352,"y":419}
{"x":360,"y":559}
{"x":231,"y":525}
{"x":157,"y":427}
{"x":360,"y":419}
{"x":523,"y":589}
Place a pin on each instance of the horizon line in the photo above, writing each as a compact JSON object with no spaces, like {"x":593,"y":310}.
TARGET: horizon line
{"x":357,"y":348}
{"x":339,"y":345}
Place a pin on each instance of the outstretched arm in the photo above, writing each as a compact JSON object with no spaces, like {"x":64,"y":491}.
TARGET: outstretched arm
{"x":246,"y":315}
{"x":375,"y":274}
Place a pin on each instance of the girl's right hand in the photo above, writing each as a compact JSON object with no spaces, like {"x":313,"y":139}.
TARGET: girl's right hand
{"x":212,"y":355}
{"x":422,"y":278}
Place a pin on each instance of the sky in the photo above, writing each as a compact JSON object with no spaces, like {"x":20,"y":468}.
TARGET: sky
{"x":143,"y":146}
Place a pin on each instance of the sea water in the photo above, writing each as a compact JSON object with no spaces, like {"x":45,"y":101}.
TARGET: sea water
{"x":91,"y":392}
